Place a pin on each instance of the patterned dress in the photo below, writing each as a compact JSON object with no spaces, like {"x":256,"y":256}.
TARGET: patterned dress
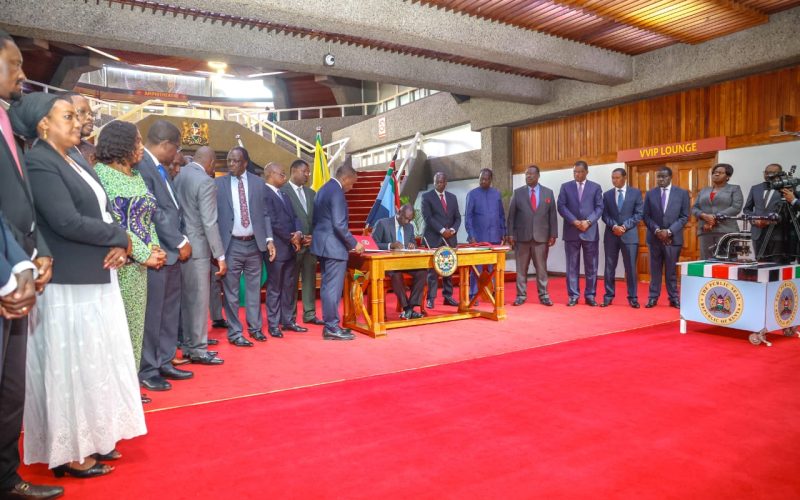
{"x":133,"y":206}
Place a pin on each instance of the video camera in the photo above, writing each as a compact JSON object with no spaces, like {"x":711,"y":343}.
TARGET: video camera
{"x":783,"y":180}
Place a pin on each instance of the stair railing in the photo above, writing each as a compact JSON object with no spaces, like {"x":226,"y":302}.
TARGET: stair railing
{"x":409,"y":159}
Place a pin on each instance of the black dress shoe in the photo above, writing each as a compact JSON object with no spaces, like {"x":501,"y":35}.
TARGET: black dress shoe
{"x":146,"y":400}
{"x":405,"y":314}
{"x":241,"y":342}
{"x":606,"y":303}
{"x":274,"y":331}
{"x":415,"y":315}
{"x":650,"y":303}
{"x":519,"y":301}
{"x":212,"y":342}
{"x":546,"y":302}
{"x":572,"y":302}
{"x":429,"y":303}
{"x":634,"y":303}
{"x":338,"y":334}
{"x":156,"y":383}
{"x":208,"y":359}
{"x":25,"y":490}
{"x":674,"y":303}
{"x":591,"y":302}
{"x":219,"y":323}
{"x":172,"y":373}
{"x":98,"y":469}
{"x":314,"y":321}
{"x":450,"y":301}
{"x":294,"y":327}
{"x":258,"y":336}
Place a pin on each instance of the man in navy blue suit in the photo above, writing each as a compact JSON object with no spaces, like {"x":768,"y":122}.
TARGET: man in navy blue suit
{"x":666,"y":211}
{"x":622,"y":211}
{"x":442,"y":220}
{"x":331,"y":244}
{"x":580,"y":203}
{"x":281,"y":272}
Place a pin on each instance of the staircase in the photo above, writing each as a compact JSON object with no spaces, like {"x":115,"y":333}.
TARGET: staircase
{"x":361,"y":198}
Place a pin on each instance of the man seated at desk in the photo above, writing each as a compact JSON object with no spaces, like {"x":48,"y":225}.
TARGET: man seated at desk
{"x":396,"y":233}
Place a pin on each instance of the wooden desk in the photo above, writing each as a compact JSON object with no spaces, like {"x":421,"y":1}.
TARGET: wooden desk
{"x":365,"y":278}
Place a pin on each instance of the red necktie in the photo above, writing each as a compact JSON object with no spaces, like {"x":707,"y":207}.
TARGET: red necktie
{"x":444,"y":203}
{"x":5,"y":123}
{"x":533,"y":200}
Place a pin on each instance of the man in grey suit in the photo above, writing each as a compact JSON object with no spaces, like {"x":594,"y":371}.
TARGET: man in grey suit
{"x":761,"y":201}
{"x":302,"y":198}
{"x":197,"y":194}
{"x":533,"y":229}
{"x":246,"y":232}
{"x":162,"y":314}
{"x":622,"y":212}
{"x":397,"y":233}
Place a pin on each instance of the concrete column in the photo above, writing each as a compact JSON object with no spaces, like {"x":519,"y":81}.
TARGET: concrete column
{"x":345,"y":91}
{"x":279,"y":95}
{"x":496,"y":154}
{"x":71,"y":68}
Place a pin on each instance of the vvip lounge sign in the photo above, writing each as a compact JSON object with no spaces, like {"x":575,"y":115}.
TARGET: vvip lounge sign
{"x":687,"y":148}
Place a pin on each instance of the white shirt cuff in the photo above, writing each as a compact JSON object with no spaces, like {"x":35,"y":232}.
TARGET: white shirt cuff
{"x":24,"y":266}
{"x":221,"y":257}
{"x":184,"y":242}
{"x":443,"y":230}
{"x":9,"y":287}
{"x":269,"y":239}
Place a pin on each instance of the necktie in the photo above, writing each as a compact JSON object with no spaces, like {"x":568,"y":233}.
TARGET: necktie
{"x":243,"y":204}
{"x":302,"y":197}
{"x":664,"y":199}
{"x":444,"y":203}
{"x":400,"y":234}
{"x":533,"y":199}
{"x":580,"y":191}
{"x":163,"y":172}
{"x":620,"y":199}
{"x":8,"y":134}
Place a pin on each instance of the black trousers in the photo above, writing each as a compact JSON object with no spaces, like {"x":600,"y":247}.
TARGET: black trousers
{"x":12,"y":398}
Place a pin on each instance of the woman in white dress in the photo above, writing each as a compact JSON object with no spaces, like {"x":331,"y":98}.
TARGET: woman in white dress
{"x":82,"y":391}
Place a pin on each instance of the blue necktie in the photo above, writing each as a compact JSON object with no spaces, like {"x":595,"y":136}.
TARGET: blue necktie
{"x":163,"y":172}
{"x":620,"y":200}
{"x":400,"y":234}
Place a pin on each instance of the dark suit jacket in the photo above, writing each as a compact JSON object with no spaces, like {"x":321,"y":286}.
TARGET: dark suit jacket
{"x":16,"y":202}
{"x":259,"y":217}
{"x":331,"y":234}
{"x":756,"y":205}
{"x":629,"y":217}
{"x":526,"y":225}
{"x":306,"y":217}
{"x":70,"y":219}
{"x":384,"y":233}
{"x":590,"y":207}
{"x":728,"y":201}
{"x":436,"y":219}
{"x":284,"y":223}
{"x":674,"y":218}
{"x":168,"y":218}
{"x":11,"y":254}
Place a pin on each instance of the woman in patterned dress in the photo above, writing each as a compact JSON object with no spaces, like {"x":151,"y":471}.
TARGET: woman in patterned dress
{"x":119,"y":147}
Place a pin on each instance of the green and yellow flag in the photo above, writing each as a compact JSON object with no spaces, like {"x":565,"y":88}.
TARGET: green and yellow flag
{"x":320,"y":174}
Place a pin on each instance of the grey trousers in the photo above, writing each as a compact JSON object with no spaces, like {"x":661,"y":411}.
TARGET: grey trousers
{"x":306,"y":270}
{"x":195,"y":278}
{"x":527,"y":251}
{"x":243,"y":257}
{"x":216,"y":294}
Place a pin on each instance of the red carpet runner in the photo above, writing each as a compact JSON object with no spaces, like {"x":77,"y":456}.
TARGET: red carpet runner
{"x":644,"y":414}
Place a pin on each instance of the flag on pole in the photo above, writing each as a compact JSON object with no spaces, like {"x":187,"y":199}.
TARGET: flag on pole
{"x":320,"y":174}
{"x":388,"y":201}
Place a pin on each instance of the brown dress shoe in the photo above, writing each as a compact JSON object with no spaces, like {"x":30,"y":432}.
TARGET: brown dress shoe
{"x":178,"y":361}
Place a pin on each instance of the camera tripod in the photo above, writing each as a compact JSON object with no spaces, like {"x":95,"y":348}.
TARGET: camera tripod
{"x":783,"y":212}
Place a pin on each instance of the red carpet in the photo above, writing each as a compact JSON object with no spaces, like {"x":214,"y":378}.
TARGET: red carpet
{"x":644,"y":414}
{"x":303,"y":359}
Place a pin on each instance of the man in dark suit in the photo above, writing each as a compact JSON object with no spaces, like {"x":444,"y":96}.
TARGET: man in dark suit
{"x":580,"y":203}
{"x":622,"y":211}
{"x":442,"y":220}
{"x":83,"y":110}
{"x":762,"y":200}
{"x":281,"y":304}
{"x":16,"y":204}
{"x":246,"y":232}
{"x":532,"y":230}
{"x":162,"y":314}
{"x":666,"y":211}
{"x":302,"y":198}
{"x":331,"y":244}
{"x":396,"y":233}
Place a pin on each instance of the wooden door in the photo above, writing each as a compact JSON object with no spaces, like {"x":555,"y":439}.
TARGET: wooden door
{"x":690,"y":174}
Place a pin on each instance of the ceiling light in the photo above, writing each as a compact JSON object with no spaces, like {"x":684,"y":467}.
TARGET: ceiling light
{"x":98,"y":51}
{"x":217,"y":66}
{"x":256,"y":75}
{"x":168,"y":68}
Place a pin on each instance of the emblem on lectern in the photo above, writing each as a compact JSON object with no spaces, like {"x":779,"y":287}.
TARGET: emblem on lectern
{"x":720,"y":302}
{"x":785,"y":305}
